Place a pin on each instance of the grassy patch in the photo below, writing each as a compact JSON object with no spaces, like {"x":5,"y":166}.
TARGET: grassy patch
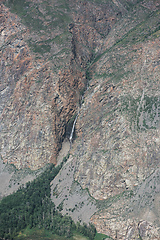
{"x":103,"y":204}
{"x":40,"y":48}
{"x":34,"y":234}
{"x":143,"y":112}
{"x":100,"y":236}
{"x":48,"y":24}
{"x":18,"y":6}
{"x":142,"y":31}
{"x":62,"y":38}
{"x":29,"y":15}
{"x":146,"y":28}
{"x":37,"y":234}
{"x":78,"y":236}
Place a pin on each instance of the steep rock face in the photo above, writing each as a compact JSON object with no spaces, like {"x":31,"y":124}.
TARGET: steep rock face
{"x":40,"y":103}
{"x":92,"y":23}
{"x":119,"y":123}
{"x":27,"y":92}
{"x":132,"y":216}
{"x":117,"y":145}
{"x":114,"y":59}
{"x":86,"y":37}
{"x":117,"y":131}
{"x":66,"y":103}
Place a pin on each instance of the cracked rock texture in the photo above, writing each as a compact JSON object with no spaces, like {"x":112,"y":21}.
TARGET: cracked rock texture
{"x":101,"y":60}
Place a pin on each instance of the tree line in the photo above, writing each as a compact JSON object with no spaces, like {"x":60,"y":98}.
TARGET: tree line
{"x":31,"y":206}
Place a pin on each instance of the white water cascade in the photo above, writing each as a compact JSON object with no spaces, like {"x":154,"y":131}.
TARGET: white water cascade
{"x":73,"y":127}
{"x":74,"y":123}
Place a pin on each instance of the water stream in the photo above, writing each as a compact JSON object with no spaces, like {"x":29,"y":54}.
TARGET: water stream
{"x":74,"y":123}
{"x":73,"y":127}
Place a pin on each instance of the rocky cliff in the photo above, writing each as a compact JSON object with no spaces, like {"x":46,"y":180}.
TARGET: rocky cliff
{"x":100,"y":60}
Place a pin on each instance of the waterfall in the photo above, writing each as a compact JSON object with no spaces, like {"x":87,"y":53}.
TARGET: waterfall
{"x":74,"y":123}
{"x":73,"y":127}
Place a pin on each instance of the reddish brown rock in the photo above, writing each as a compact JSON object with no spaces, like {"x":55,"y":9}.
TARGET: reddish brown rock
{"x":114,"y":61}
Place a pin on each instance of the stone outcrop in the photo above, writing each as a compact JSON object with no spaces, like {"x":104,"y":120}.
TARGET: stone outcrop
{"x":119,"y":126}
{"x":40,"y":103}
{"x":72,"y":83}
{"x":27,"y":88}
{"x":113,"y":62}
{"x":117,"y":144}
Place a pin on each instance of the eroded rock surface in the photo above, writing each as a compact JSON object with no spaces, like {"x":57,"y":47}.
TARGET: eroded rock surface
{"x":109,"y":54}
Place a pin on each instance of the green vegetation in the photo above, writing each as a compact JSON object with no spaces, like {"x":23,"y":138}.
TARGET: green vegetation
{"x":100,"y":236}
{"x":142,"y":31}
{"x":40,"y":48}
{"x":37,"y":234}
{"x":48,"y":24}
{"x":147,"y":28}
{"x":103,"y":204}
{"x":31,"y":208}
{"x":26,"y":13}
{"x":33,"y":18}
{"x":62,"y":38}
{"x":18,"y":6}
{"x":142,"y":112}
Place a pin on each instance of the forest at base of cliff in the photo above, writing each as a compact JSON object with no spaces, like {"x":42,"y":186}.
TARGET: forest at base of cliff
{"x":31,"y":208}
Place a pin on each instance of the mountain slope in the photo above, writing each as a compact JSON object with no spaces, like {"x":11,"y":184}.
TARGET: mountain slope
{"x":100,"y":60}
